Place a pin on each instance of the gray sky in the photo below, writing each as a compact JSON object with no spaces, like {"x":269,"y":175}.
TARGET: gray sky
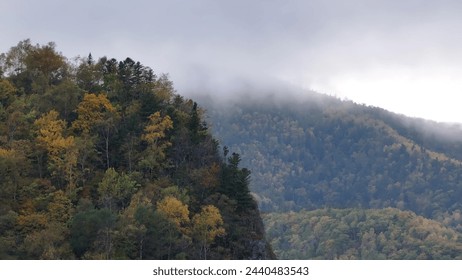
{"x":403,"y":55}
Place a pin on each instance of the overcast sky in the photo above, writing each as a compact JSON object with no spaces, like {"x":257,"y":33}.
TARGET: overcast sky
{"x":402,"y":55}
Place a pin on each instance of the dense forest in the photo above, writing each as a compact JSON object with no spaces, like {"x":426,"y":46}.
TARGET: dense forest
{"x":361,"y":234}
{"x":102,"y":159}
{"x":329,"y":153}
{"x":315,"y":151}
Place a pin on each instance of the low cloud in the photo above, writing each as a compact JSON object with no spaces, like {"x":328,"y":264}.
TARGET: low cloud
{"x":218,"y":46}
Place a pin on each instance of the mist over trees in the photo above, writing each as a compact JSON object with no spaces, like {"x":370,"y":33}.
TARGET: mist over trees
{"x":319,"y":152}
{"x":102,"y":159}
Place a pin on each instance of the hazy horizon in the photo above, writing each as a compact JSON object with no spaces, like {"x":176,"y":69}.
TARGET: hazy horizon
{"x":403,"y":56}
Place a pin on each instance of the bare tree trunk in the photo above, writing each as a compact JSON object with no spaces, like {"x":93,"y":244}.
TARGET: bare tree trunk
{"x":107,"y":152}
{"x":141,"y":249}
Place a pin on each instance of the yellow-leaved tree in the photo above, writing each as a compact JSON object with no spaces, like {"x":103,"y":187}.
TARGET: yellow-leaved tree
{"x":96,"y":114}
{"x":175,"y":211}
{"x":177,"y":214}
{"x":154,"y":135}
{"x":206,"y":226}
{"x":94,"y":108}
{"x":62,"y":151}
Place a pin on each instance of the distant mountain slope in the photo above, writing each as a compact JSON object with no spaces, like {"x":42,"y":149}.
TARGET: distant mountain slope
{"x":323,"y":152}
{"x":360,"y":234}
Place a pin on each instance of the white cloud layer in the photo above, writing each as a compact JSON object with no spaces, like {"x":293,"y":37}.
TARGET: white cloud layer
{"x":405,"y":56}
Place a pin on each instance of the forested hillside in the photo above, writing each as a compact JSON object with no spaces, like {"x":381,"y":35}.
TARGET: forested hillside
{"x":361,"y":234}
{"x":324,"y":152}
{"x":315,"y":152}
{"x":101,"y":159}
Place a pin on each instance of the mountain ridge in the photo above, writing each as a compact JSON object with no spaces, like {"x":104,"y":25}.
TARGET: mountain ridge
{"x":295,"y":136}
{"x":322,"y":152}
